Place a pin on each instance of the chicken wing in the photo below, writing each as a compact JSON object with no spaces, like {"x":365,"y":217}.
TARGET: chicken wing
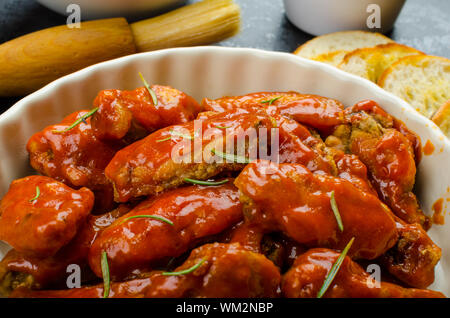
{"x":133,"y":115}
{"x":389,"y":151}
{"x":168,"y":156}
{"x":196,"y":213}
{"x":226,"y":270}
{"x":315,"y":111}
{"x":291,"y":199}
{"x":309,"y":271}
{"x":75,"y":157}
{"x":19,"y":270}
{"x":39,"y":215}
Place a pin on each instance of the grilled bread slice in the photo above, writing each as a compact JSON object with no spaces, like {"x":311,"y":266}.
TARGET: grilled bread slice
{"x":422,"y":80}
{"x":370,"y":63}
{"x":442,"y":118}
{"x":345,"y":41}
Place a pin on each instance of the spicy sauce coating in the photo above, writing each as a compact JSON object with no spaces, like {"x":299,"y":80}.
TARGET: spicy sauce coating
{"x":227,"y":270}
{"x":19,"y":270}
{"x":163,"y":159}
{"x":315,"y":111}
{"x":133,"y":114}
{"x":39,"y":215}
{"x":309,"y":271}
{"x":197,"y":212}
{"x":291,"y":199}
{"x":75,"y":157}
{"x":388,"y":150}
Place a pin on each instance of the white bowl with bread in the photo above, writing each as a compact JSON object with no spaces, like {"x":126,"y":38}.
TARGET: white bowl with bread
{"x":214,"y":72}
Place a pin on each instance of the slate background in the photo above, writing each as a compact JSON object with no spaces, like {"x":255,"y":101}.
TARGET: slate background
{"x":423,"y":24}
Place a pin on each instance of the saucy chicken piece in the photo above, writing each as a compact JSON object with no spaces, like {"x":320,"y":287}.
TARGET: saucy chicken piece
{"x":19,"y":270}
{"x":414,"y":257}
{"x":75,"y":157}
{"x":307,"y":276}
{"x":196,"y":213}
{"x":315,"y":111}
{"x":133,"y":115}
{"x":226,"y":270}
{"x":291,"y":199}
{"x":39,"y":215}
{"x":165,"y":158}
{"x":388,"y":150}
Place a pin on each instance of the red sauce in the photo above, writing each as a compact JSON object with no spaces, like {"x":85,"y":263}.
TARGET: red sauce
{"x":438,"y":217}
{"x":428,"y":149}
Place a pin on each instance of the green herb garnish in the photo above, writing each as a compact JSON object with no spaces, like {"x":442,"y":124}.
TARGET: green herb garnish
{"x":165,"y":139}
{"x":186,"y":271}
{"x":178,"y":134}
{"x":82,"y":119}
{"x":207,"y":183}
{"x":334,"y":270}
{"x":105,"y":274}
{"x":151,"y":91}
{"x":38,"y":194}
{"x":335,"y":209}
{"x":155,"y":217}
{"x":271,"y":101}
{"x":230,"y":157}
{"x":223,"y":127}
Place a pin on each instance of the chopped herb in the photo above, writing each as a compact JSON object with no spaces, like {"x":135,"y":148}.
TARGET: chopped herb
{"x":165,"y":139}
{"x":271,"y":101}
{"x":207,"y":183}
{"x":178,"y":134}
{"x":186,"y":271}
{"x":230,"y":157}
{"x":335,"y":209}
{"x":82,"y":119}
{"x":151,"y":91}
{"x":223,"y":127}
{"x":38,"y":194}
{"x":155,"y":217}
{"x":334,"y":270}
{"x":105,"y":274}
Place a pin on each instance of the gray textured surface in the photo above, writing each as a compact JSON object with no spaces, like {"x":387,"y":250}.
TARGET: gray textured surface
{"x":423,"y":24}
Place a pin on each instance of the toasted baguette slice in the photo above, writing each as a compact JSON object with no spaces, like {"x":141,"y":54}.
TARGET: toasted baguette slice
{"x":371,"y":62}
{"x":421,"y":80}
{"x":340,"y":41}
{"x":442,"y":118}
{"x":333,"y":58}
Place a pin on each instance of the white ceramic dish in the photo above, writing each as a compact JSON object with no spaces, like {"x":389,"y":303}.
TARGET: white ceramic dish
{"x":319,"y":17}
{"x":110,"y":8}
{"x":214,"y":72}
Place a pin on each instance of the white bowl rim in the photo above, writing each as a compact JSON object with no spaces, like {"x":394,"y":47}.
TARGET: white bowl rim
{"x":415,"y":116}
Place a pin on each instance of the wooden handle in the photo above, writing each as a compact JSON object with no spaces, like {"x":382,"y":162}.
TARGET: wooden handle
{"x":31,"y":61}
{"x":201,"y":23}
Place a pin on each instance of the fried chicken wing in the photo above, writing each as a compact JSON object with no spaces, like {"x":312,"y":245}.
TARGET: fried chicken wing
{"x":163,"y":159}
{"x":291,"y":199}
{"x":39,"y":215}
{"x":75,"y":157}
{"x":309,"y":271}
{"x":19,"y":270}
{"x":197,"y":212}
{"x":414,"y":257}
{"x":388,"y":150}
{"x":226,"y":270}
{"x":315,"y":111}
{"x":133,"y":115}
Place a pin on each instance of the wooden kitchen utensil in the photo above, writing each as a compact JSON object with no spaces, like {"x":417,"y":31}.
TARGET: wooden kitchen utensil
{"x":31,"y":61}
